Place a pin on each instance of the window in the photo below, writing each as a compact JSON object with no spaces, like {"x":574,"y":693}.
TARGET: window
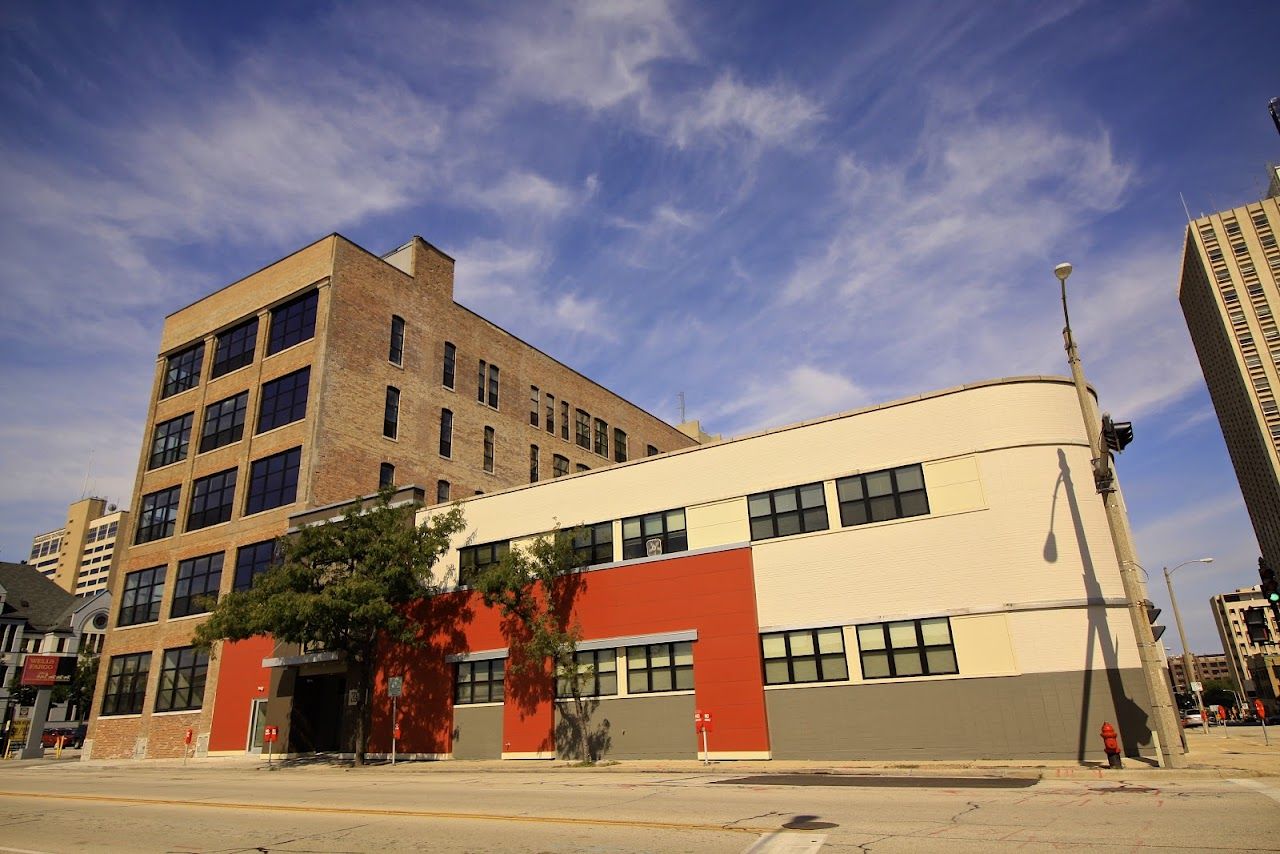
{"x":386,"y":476}
{"x":583,"y":433}
{"x":794,"y":510}
{"x":273,"y":481}
{"x":488,"y":449}
{"x":479,"y":681}
{"x":442,"y":491}
{"x":654,"y":534}
{"x":284,"y":400}
{"x":480,"y":382}
{"x":559,"y":466}
{"x":581,"y":467}
{"x":660,"y":667}
{"x":619,"y":446}
{"x":446,"y":433}
{"x":597,"y":674}
{"x":906,"y":648}
{"x":493,"y":386}
{"x":182,"y":370}
{"x":211,"y":499}
{"x":396,"y":356}
{"x":234,"y":348}
{"x":170,"y":441}
{"x":198,"y":579}
{"x":564,"y":420}
{"x":474,"y":559}
{"x":158,"y":515}
{"x":593,"y":544}
{"x":253,"y":560}
{"x":140,"y":599}
{"x":391,"y":414}
{"x":881,"y":495}
{"x":535,"y":398}
{"x":182,"y":678}
{"x":808,"y":655}
{"x":650,"y":451}
{"x":551,"y":414}
{"x":223,"y":422}
{"x":293,"y":322}
{"x":602,"y":438}
{"x":533,"y":463}
{"x":450,"y":362}
{"x":126,"y":684}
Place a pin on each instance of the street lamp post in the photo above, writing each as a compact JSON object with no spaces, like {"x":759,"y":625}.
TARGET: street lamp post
{"x":1165,"y":724}
{"x":1188,"y":660}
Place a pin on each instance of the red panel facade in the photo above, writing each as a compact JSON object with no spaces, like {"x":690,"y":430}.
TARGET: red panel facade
{"x":240,"y":678}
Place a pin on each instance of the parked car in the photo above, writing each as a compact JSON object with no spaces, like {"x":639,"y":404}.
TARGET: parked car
{"x":1192,"y":717}
{"x":72,"y":737}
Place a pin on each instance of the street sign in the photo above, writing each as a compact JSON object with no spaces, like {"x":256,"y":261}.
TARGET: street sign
{"x":271,"y":734}
{"x":45,"y":671}
{"x":1259,"y":709}
{"x":395,"y":686}
{"x":1197,"y":687}
{"x":702,"y":721}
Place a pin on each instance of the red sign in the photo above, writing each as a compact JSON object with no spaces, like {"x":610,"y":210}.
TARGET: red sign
{"x":396,"y":731}
{"x":44,"y":671}
{"x":1257,"y":707}
{"x":270,"y":734}
{"x":702,"y":721}
{"x":187,"y":738}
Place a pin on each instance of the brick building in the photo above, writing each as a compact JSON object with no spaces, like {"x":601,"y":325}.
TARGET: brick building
{"x":320,"y":377}
{"x":1208,"y":667}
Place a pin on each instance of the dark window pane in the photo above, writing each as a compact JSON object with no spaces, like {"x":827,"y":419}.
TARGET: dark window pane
{"x":141,"y":595}
{"x":284,"y":400}
{"x":450,"y":362}
{"x":234,"y":348}
{"x":396,"y":355}
{"x":182,"y":679}
{"x":170,"y":441}
{"x":386,"y":476}
{"x":293,"y":322}
{"x":182,"y":370}
{"x":126,"y":684}
{"x":778,"y":513}
{"x":196,"y":585}
{"x":212,"y":498}
{"x":252,"y":561}
{"x":158,"y":515}
{"x":880,"y":496}
{"x":273,"y":481}
{"x":446,"y":433}
{"x":223,"y":422}
{"x":391,"y":413}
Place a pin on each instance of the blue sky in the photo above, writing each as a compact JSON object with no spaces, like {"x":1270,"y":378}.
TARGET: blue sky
{"x":782,"y":210}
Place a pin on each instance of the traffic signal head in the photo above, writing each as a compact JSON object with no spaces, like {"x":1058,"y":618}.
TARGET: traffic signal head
{"x":1270,"y":585}
{"x":1116,"y":434}
{"x":1152,"y":613}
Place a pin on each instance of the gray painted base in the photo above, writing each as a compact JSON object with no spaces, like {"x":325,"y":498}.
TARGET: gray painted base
{"x":1033,"y":716}
{"x":654,"y":727}
{"x":477,"y":732}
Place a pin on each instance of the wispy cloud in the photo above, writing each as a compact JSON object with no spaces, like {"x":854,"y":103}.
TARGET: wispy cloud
{"x":799,"y":393}
{"x":772,"y":115}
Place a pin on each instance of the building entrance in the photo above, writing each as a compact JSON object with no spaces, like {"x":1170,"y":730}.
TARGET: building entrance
{"x":315,"y":723}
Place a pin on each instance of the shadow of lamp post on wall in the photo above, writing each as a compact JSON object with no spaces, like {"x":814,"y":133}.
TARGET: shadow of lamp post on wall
{"x":1164,"y":724}
{"x":1188,"y":660}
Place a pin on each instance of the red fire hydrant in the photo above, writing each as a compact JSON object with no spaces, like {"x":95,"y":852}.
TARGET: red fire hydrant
{"x":1111,"y":745}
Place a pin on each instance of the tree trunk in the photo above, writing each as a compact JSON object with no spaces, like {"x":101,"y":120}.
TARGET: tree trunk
{"x":580,"y":712}
{"x":364,"y":710}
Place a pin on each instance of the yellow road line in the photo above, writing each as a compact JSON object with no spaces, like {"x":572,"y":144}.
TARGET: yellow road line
{"x":391,"y":813}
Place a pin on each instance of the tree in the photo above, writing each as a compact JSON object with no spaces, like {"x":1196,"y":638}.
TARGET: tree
{"x":79,"y":694}
{"x":534,"y":588}
{"x":344,"y":586}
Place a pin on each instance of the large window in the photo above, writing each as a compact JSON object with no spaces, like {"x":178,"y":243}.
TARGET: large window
{"x":396,"y":355}
{"x":906,"y":648}
{"x":223,"y":422}
{"x":442,"y":491}
{"x":597,"y":674}
{"x":234,"y":348}
{"x":126,"y":686}
{"x":140,"y":598}
{"x":158,"y":515}
{"x":582,"y":422}
{"x":212,"y":498}
{"x":273,"y":481}
{"x":602,"y":438}
{"x":446,"y":433}
{"x":551,"y":414}
{"x":559,"y":465}
{"x":391,"y":413}
{"x":472,"y":560}
{"x":450,"y":364}
{"x":253,"y":560}
{"x":808,"y":655}
{"x":654,"y":534}
{"x":489,"y":438}
{"x":493,"y":386}
{"x":882,"y":495}
{"x":170,"y":441}
{"x":479,"y":681}
{"x":182,"y":370}
{"x":293,"y":322}
{"x":535,"y":398}
{"x":593,"y":544}
{"x":182,"y":678}
{"x":660,"y":667}
{"x":197,"y":583}
{"x":650,"y":451}
{"x":386,"y":475}
{"x":794,"y":510}
{"x":480,"y":381}
{"x":564,"y":420}
{"x":533,"y":463}
{"x":619,"y":446}
{"x":284,"y":400}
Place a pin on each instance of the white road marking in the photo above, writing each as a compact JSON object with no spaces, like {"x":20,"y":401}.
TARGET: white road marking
{"x":788,"y":842}
{"x":22,"y":851}
{"x":1261,"y":788}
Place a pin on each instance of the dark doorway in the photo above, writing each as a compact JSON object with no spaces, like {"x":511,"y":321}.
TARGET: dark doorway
{"x":315,"y":724}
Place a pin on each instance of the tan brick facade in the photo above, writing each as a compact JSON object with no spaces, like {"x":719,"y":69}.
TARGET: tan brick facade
{"x":341,"y":436}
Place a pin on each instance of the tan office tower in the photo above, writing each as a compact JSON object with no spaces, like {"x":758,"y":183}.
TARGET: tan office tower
{"x":1228,"y":291}
{"x":78,"y":558}
{"x":321,"y":377}
{"x":1249,"y":633}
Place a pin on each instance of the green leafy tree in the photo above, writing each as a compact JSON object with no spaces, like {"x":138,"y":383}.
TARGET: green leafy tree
{"x":79,"y":694}
{"x":534,"y":588}
{"x":344,"y":586}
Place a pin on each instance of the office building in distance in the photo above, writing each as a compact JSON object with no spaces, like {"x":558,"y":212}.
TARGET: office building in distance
{"x":79,"y":557}
{"x":1251,"y":638}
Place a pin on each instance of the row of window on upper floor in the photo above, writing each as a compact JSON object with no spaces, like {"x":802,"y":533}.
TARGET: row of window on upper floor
{"x":290,"y":323}
{"x":891,"y":650}
{"x":197,"y":581}
{"x":273,"y":482}
{"x":877,"y":496}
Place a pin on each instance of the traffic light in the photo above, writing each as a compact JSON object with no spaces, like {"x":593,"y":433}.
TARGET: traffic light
{"x":1117,"y":434}
{"x":1152,"y":613}
{"x":1270,"y":586}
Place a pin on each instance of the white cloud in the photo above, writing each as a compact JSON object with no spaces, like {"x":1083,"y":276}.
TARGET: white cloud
{"x":520,"y":192}
{"x":801,"y":393}
{"x":772,"y":115}
{"x":583,"y":315}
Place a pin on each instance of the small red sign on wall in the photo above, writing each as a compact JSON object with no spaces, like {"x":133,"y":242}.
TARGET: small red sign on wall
{"x":702,"y":721}
{"x":270,"y":734}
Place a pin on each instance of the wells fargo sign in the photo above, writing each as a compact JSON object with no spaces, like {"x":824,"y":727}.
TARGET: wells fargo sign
{"x":44,"y":671}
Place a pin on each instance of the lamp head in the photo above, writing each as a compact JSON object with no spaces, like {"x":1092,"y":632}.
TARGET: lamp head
{"x":1062,"y":271}
{"x":1206,"y":560}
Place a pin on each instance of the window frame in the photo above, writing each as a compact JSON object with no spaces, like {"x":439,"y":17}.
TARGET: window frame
{"x":391,"y":414}
{"x":261,"y":473}
{"x":204,"y":571}
{"x":865,"y":502}
{"x":551,"y":413}
{"x":493,"y":386}
{"x":280,"y":399}
{"x":222,"y":426}
{"x":564,"y":420}
{"x":166,"y":452}
{"x":182,"y":370}
{"x":250,"y":563}
{"x":650,"y":668}
{"x":602,"y":438}
{"x":125,"y":689}
{"x":220,"y":486}
{"x":147,"y":529}
{"x":582,"y":428}
{"x":443,"y":488}
{"x":592,"y":551}
{"x":535,"y":407}
{"x":225,"y":360}
{"x":491,"y":680}
{"x":619,"y":445}
{"x":149,"y":582}
{"x":557,"y":469}
{"x":477,"y":558}
{"x":293,"y":322}
{"x":817,"y":656}
{"x":591,"y":658}
{"x":386,"y":476}
{"x":186,"y":670}
{"x":446,"y":433}
{"x":449,"y":366}
{"x":490,"y":448}
{"x":920,"y":648}
{"x":799,"y":512}
{"x":533,"y":464}
{"x":395,"y":353}
{"x":630,"y":544}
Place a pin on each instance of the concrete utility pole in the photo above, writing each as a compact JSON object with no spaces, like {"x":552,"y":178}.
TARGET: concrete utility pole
{"x":1188,"y":660}
{"x":1164,"y":722}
